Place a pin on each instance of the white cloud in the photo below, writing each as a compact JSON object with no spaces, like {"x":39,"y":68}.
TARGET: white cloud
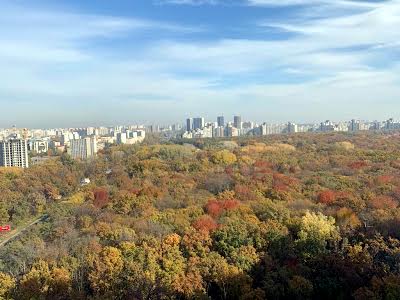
{"x":189,"y":2}
{"x":346,"y":3}
{"x":46,"y":56}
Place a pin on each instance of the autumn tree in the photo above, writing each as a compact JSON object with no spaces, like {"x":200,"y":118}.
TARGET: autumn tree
{"x":7,"y":285}
{"x":223,"y":157}
{"x":105,"y":271}
{"x":327,"y":197}
{"x":316,"y":230}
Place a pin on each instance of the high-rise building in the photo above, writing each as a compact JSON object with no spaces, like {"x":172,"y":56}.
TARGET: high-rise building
{"x":237,"y":122}
{"x":267,"y":129}
{"x":76,"y":135}
{"x":198,"y":123}
{"x":376,"y":125}
{"x":90,"y":131}
{"x":219,"y":131}
{"x":103,"y":131}
{"x":121,"y":138}
{"x":291,"y":128}
{"x":65,"y":139}
{"x":354,"y":125}
{"x":189,"y":124}
{"x":248,"y":125}
{"x":83,"y":148}
{"x":221,"y":121}
{"x":232,"y":131}
{"x":14,"y":153}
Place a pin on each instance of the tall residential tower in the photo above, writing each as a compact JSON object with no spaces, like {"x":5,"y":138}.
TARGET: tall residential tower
{"x":83,"y":148}
{"x":14,"y":153}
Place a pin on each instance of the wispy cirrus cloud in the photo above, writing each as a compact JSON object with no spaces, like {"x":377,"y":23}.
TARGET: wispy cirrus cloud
{"x":55,"y":35}
{"x":119,"y":67}
{"x":188,"y":2}
{"x":273,"y":3}
{"x":344,"y":3}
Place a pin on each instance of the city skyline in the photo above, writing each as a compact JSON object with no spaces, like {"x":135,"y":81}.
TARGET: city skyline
{"x":68,"y":63}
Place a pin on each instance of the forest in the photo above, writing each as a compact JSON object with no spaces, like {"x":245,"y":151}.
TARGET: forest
{"x":303,"y":216}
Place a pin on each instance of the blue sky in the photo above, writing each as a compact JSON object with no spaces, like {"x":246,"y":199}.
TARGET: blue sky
{"x":80,"y":63}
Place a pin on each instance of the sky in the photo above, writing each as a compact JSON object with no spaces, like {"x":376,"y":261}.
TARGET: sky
{"x":73,"y":63}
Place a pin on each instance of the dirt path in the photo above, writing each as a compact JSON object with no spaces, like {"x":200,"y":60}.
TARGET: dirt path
{"x":18,"y":231}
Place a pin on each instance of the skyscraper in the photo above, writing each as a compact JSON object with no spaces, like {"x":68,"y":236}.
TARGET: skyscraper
{"x":354,"y":125}
{"x":221,"y":121}
{"x":189,"y":124}
{"x":237,"y":122}
{"x":198,"y":123}
{"x":83,"y":148}
{"x":14,"y":153}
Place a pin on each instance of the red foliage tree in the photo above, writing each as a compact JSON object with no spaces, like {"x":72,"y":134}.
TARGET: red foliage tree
{"x":261,"y":166}
{"x":101,"y":198}
{"x":214,"y":208}
{"x":327,"y":197}
{"x":383,"y":202}
{"x":205,"y":223}
{"x":230,"y":204}
{"x":357,"y":165}
{"x":135,"y":191}
{"x":282,"y":182}
{"x":229,"y":170}
{"x":384,"y":179}
{"x":244,"y":193}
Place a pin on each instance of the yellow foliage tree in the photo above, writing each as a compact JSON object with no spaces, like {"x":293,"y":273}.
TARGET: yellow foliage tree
{"x":7,"y":284}
{"x":223,"y":157}
{"x":35,"y":284}
{"x":105,"y":270}
{"x":316,"y":230}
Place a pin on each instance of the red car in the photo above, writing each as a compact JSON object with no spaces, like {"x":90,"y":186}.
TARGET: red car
{"x":5,"y":228}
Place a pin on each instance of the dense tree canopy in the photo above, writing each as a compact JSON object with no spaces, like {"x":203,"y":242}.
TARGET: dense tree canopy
{"x":305,"y":216}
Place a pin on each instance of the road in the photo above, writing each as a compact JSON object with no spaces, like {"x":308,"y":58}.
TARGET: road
{"x":18,"y":231}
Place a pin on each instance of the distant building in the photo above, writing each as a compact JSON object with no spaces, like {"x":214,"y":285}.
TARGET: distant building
{"x":65,"y":139}
{"x":237,"y":122}
{"x":219,"y":131}
{"x":90,"y":131}
{"x":121,"y":138}
{"x":38,"y":145}
{"x":83,"y":148}
{"x":232,"y":131}
{"x":76,"y":135}
{"x":267,"y":129}
{"x":392,"y":125}
{"x":327,"y":126}
{"x":14,"y":153}
{"x":189,"y":124}
{"x":198,"y":123}
{"x":248,"y":125}
{"x":292,"y":128}
{"x":376,"y":125}
{"x":221,"y":121}
{"x":354,"y":126}
{"x":103,"y":131}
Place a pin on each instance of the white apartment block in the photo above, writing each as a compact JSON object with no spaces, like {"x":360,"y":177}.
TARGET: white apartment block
{"x":83,"y":148}
{"x":14,"y":153}
{"x":219,"y":131}
{"x":38,"y":145}
{"x":267,"y":129}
